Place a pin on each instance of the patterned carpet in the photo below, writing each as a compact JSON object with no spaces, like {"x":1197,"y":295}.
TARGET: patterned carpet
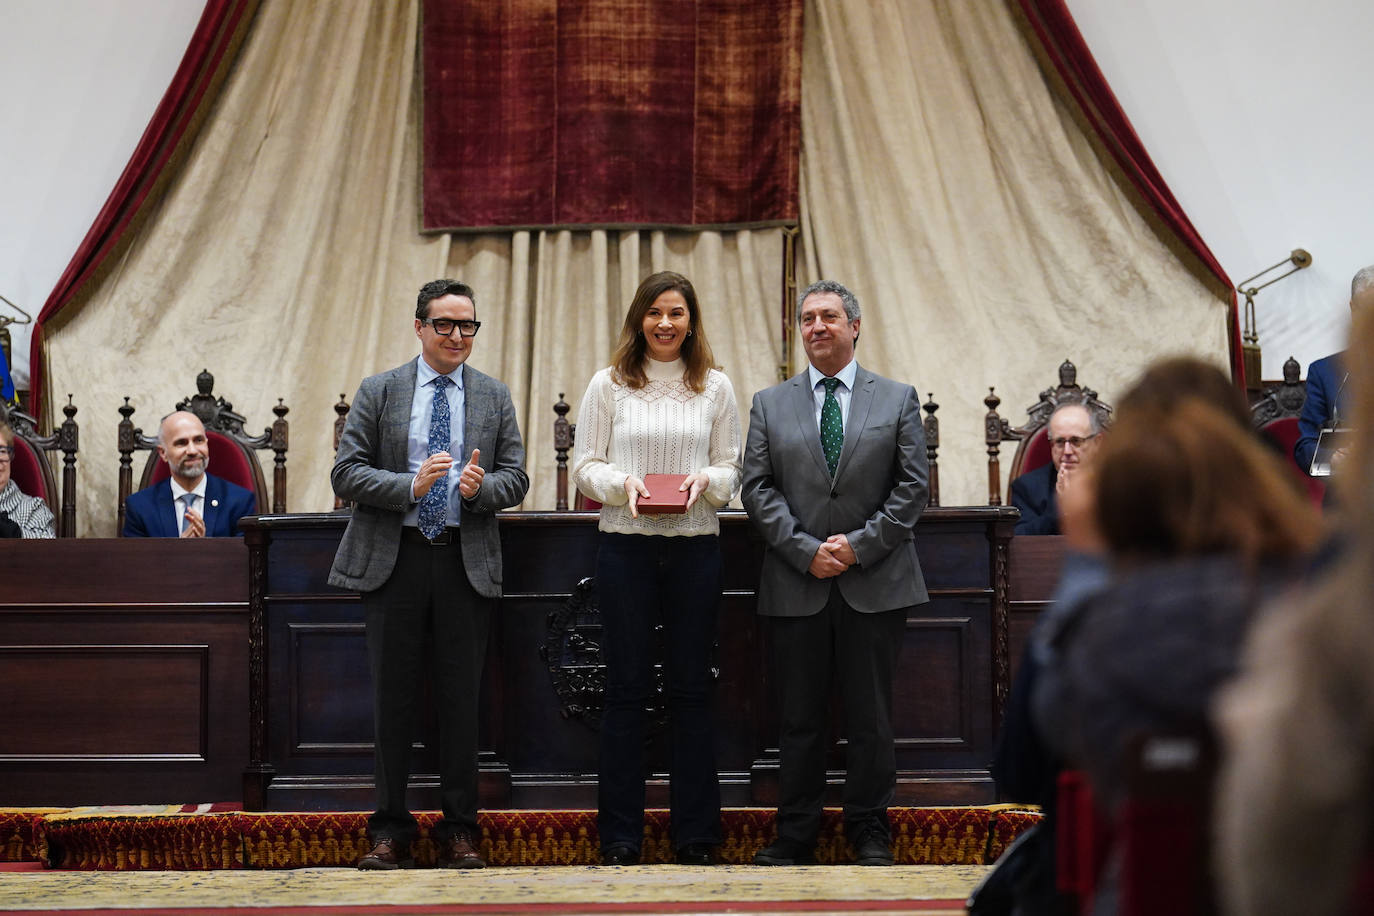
{"x":202,"y":861}
{"x":930,"y":890}
{"x":176,"y":839}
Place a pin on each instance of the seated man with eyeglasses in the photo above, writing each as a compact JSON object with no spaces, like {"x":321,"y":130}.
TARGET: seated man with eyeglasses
{"x":1073,"y":432}
{"x":21,"y":516}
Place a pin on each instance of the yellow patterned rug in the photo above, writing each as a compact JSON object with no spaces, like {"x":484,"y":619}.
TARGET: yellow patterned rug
{"x":933,"y":890}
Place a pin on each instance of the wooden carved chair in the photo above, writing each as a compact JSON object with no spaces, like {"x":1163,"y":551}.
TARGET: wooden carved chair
{"x":564,"y":435}
{"x":31,"y":469}
{"x":340,"y":421}
{"x":1032,"y":437}
{"x":1275,"y":417}
{"x":931,"y":427}
{"x":233,"y":452}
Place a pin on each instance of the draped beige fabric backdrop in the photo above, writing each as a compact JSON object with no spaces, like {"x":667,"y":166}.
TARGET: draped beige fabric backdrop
{"x":939,"y":179}
{"x":286,"y":259}
{"x":965,"y":208}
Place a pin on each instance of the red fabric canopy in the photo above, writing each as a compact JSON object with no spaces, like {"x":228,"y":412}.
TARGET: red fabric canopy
{"x":174,"y":125}
{"x":1053,"y":27}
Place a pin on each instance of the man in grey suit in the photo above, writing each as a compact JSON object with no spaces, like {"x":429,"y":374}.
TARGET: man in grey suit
{"x":423,"y":549}
{"x":835,"y":477}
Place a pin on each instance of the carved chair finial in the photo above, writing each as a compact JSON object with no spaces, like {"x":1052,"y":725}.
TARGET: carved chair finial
{"x":1068,"y":374}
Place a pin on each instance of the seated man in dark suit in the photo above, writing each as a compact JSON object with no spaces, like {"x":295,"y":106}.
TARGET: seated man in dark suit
{"x":1325,"y":382}
{"x":1073,"y":431}
{"x":191,"y":503}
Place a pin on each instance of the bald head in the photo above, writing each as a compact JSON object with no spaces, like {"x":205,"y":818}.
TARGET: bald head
{"x":181,"y":442}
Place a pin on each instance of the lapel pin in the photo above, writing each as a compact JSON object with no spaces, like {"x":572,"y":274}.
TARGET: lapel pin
{"x":214,"y":504}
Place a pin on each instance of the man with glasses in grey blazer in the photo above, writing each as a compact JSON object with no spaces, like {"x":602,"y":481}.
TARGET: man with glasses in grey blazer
{"x":835,"y":477}
{"x":431,"y":451}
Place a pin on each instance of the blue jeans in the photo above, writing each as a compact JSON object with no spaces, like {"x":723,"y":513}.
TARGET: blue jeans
{"x":644,"y":580}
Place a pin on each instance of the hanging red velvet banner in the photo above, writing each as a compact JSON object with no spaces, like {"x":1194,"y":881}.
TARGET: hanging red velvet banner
{"x":610,"y":113}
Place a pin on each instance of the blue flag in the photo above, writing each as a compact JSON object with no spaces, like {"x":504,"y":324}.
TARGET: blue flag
{"x":6,"y":383}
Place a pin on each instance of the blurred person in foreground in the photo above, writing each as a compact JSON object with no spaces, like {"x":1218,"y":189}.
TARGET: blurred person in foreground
{"x":1199,"y":523}
{"x":1294,"y":816}
{"x":1025,"y":768}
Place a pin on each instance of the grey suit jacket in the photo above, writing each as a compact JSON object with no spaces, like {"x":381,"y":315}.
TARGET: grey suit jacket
{"x":371,"y":471}
{"x":875,"y":498}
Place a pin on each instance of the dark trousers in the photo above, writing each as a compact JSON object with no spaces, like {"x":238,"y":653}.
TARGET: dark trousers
{"x":426,"y":615}
{"x":641,"y":581}
{"x":858,"y":654}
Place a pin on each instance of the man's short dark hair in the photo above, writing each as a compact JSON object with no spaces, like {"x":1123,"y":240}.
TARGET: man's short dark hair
{"x":436,"y":289}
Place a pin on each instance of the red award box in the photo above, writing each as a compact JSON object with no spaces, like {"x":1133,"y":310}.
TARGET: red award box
{"x":664,"y":496}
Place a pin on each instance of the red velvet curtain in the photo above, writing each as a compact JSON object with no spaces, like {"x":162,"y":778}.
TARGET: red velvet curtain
{"x":174,"y":125}
{"x":1053,"y":26}
{"x":611,"y":112}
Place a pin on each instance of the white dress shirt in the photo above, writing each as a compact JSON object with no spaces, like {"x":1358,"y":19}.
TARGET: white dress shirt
{"x":843,"y":391}
{"x":179,"y":500}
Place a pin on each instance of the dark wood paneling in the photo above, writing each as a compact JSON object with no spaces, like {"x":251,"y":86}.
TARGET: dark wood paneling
{"x":1034,"y":573}
{"x":152,"y":681}
{"x":316,"y":720}
{"x":129,"y":701}
{"x":125,"y":671}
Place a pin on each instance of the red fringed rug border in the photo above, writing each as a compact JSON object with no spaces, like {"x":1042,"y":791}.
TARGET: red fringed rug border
{"x":18,"y":833}
{"x":193,"y":842}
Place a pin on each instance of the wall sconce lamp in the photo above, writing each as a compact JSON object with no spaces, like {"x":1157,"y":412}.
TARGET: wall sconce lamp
{"x":5,"y":322}
{"x":1250,"y":349}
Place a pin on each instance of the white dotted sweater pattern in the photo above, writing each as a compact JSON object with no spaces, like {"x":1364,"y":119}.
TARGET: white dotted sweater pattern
{"x":663,"y":428}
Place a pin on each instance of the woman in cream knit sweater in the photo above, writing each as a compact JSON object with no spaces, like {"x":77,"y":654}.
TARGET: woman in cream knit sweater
{"x":659,"y":408}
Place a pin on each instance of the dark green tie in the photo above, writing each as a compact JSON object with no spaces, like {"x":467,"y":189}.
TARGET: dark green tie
{"x":832,"y":427}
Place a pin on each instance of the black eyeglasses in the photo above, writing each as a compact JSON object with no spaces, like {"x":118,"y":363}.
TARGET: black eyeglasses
{"x":6,"y":453}
{"x":1075,"y":441}
{"x":444,"y":326}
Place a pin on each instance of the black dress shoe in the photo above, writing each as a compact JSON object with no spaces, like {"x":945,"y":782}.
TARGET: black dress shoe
{"x":458,"y":852}
{"x":697,"y":854}
{"x":873,"y":848}
{"x":386,"y":855}
{"x":785,"y":852}
{"x":619,"y":854}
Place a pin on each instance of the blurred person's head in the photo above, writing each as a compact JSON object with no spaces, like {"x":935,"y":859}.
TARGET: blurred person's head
{"x":1355,"y":481}
{"x":1168,"y":382}
{"x":1073,"y":430}
{"x":1362,"y":292}
{"x":1188,"y":480}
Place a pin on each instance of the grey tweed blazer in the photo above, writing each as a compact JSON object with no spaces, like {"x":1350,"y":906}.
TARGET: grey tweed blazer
{"x":371,"y":471}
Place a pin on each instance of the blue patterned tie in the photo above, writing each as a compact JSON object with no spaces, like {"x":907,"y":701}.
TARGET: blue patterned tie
{"x":832,"y":427}
{"x":434,"y":504}
{"x":188,"y":500}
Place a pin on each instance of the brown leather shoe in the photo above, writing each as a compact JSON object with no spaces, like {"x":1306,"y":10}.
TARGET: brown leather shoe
{"x":386,"y":855}
{"x":458,"y":852}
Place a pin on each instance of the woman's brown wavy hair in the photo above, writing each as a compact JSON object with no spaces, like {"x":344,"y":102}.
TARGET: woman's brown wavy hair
{"x":627,"y":363}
